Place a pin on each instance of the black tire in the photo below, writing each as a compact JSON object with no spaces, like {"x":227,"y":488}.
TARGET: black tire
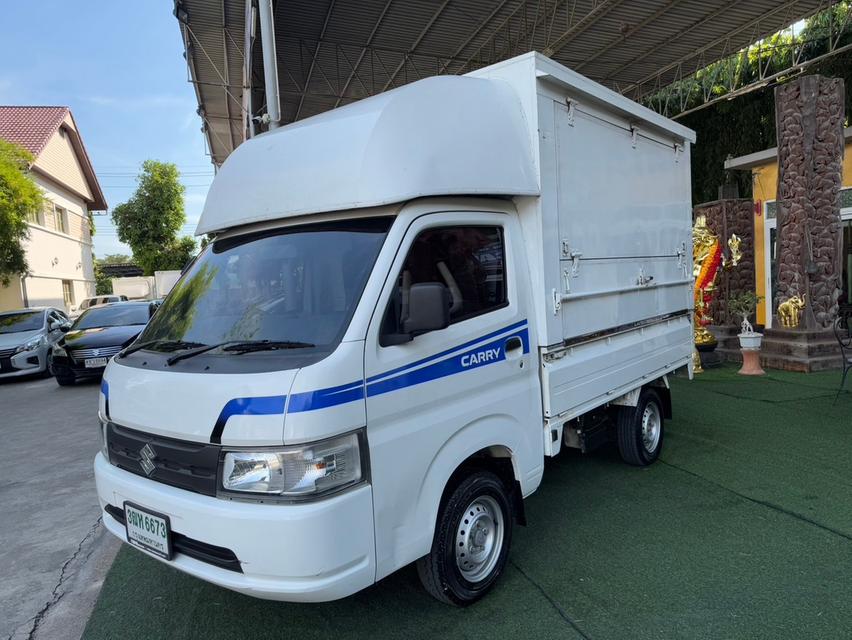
{"x":439,"y":571}
{"x":48,"y":365}
{"x":64,"y":380}
{"x":635,"y":449}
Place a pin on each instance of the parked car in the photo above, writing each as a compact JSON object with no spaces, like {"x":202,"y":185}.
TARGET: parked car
{"x":95,"y":301}
{"x":97,"y":335}
{"x":26,"y":339}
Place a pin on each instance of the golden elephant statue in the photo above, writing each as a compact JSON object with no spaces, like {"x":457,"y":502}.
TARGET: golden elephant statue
{"x":789,"y":310}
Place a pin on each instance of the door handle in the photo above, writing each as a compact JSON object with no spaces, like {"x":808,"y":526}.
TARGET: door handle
{"x":513,"y":344}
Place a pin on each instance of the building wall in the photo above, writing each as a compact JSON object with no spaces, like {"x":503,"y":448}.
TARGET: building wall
{"x":59,"y":161}
{"x":54,"y":256}
{"x":10,"y":296}
{"x":764,"y":189}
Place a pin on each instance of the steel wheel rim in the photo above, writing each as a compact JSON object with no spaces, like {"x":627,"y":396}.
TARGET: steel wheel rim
{"x":651,"y":427}
{"x":479,"y":539}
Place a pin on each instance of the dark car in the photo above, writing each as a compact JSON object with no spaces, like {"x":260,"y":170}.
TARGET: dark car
{"x":95,"y":337}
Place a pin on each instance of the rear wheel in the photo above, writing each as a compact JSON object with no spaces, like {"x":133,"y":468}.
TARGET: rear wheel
{"x":640,"y":430}
{"x":471,"y":543}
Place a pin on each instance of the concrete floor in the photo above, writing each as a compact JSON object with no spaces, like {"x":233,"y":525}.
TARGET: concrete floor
{"x":55,"y":551}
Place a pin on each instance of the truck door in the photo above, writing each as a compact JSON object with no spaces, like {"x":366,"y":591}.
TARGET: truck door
{"x":445,"y":394}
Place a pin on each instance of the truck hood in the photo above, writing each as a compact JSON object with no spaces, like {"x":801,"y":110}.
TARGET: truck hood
{"x":231,"y":409}
{"x":8,"y":340}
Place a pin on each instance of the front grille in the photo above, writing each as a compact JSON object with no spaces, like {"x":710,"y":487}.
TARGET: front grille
{"x":6,"y":365}
{"x":209,"y":553}
{"x":7,"y":353}
{"x":100,"y":352}
{"x":187,"y":465}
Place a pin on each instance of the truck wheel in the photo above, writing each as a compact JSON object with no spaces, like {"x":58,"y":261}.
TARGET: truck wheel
{"x":471,"y":544}
{"x":640,"y":430}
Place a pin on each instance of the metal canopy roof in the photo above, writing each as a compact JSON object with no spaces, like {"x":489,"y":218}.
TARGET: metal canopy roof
{"x":333,"y":52}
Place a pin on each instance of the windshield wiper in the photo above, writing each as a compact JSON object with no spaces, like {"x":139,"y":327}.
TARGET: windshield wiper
{"x":171,"y":345}
{"x":250,"y":346}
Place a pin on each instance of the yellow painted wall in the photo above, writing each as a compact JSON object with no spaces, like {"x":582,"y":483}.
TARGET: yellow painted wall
{"x":764,"y":187}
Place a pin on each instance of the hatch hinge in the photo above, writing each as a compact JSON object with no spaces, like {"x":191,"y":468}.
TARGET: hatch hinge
{"x":678,"y":149}
{"x":634,"y":134}
{"x":681,"y":260}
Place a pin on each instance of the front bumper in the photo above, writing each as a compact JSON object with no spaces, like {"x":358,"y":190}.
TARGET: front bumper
{"x":65,"y":365}
{"x":311,"y":552}
{"x":24,"y":363}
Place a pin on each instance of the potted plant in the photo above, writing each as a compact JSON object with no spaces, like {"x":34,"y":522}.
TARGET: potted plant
{"x":744,"y":305}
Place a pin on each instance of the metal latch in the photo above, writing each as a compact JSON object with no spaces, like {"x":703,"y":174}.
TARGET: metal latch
{"x":678,"y":149}
{"x":642,"y":279}
{"x":634,"y":134}
{"x":575,"y":263}
{"x":570,"y":104}
{"x":681,"y":260}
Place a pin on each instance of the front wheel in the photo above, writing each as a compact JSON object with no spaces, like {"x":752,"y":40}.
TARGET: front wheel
{"x":64,"y":380}
{"x":471,"y":543}
{"x":640,"y":430}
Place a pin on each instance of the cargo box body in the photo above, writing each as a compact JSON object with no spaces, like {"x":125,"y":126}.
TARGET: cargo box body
{"x":608,"y":239}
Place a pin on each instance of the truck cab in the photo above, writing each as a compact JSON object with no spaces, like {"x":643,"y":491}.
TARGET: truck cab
{"x":367,"y":367}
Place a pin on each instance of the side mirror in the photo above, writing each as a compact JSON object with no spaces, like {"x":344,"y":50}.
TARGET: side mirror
{"x":152,"y":309}
{"x":65,"y":327}
{"x":54,"y":325}
{"x":428,"y":308}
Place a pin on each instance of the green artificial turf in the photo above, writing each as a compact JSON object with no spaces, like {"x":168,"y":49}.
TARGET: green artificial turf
{"x":742,"y":530}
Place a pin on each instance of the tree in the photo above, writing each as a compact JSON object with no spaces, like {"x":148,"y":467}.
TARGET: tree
{"x":115,"y":258}
{"x":149,"y":222}
{"x":103,"y":282}
{"x":19,"y":197}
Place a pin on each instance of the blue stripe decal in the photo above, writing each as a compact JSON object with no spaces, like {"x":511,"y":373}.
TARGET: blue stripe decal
{"x":411,"y":365}
{"x":260,"y":406}
{"x":105,"y":391}
{"x":464,"y":358}
{"x":322,"y":398}
{"x":480,"y":356}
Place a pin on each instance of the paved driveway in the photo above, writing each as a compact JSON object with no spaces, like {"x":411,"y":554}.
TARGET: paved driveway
{"x":52,"y":553}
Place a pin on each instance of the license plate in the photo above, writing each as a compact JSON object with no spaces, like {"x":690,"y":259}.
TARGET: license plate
{"x":91,"y":363}
{"x":148,"y":530}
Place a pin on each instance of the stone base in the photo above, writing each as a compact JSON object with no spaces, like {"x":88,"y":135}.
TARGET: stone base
{"x":751,"y":363}
{"x":800,"y":350}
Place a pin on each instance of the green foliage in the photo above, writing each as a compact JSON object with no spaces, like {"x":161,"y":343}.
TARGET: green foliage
{"x":19,"y":196}
{"x":746,"y":124}
{"x":103,"y":282}
{"x":116,"y":258}
{"x":744,"y":303}
{"x":149,"y":222}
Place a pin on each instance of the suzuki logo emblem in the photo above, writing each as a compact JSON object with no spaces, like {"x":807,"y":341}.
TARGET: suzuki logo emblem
{"x":147,"y":455}
{"x":96,"y":352}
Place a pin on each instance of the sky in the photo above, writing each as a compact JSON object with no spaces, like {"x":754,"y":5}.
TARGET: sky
{"x":119,"y":66}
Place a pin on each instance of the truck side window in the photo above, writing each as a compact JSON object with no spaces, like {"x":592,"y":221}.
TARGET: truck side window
{"x":468,"y":260}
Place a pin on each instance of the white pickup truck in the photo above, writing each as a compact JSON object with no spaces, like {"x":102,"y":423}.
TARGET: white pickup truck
{"x":410,"y":302}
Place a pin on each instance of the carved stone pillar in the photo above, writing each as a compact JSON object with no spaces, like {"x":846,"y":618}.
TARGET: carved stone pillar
{"x":809,"y":114}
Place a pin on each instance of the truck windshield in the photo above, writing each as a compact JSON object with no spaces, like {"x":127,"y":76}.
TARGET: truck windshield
{"x":23,"y":321}
{"x":296,"y":285}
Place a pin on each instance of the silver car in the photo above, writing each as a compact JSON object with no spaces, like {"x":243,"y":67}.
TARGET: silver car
{"x":27,"y":337}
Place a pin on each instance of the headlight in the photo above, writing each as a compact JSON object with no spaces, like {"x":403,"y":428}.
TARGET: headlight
{"x":298,"y":472}
{"x":31,"y":345}
{"x":102,"y":435}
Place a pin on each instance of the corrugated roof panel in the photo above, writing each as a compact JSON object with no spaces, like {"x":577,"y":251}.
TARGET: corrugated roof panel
{"x":618,"y":42}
